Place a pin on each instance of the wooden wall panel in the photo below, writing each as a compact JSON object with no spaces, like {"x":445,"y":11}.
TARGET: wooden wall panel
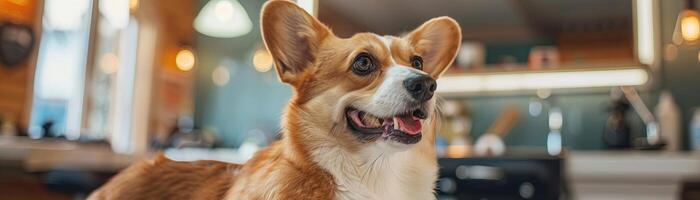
{"x":16,"y":82}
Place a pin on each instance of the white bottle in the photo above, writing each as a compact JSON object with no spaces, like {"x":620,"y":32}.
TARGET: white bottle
{"x":669,"y":118}
{"x":695,"y":131}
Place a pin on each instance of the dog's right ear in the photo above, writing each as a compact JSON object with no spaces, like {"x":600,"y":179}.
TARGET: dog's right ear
{"x":292,"y":36}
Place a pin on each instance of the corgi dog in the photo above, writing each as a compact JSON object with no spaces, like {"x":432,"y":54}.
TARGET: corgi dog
{"x":360,"y":125}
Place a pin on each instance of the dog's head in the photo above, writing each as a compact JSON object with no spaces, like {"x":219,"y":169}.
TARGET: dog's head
{"x":362,"y":90}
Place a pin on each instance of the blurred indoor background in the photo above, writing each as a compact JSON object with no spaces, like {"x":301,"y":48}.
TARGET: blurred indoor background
{"x":548,"y":99}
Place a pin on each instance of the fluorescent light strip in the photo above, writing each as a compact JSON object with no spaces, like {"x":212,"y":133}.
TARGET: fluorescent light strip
{"x":541,"y":80}
{"x":645,"y":31}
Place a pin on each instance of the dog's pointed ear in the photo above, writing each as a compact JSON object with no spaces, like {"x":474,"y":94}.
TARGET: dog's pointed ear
{"x":437,"y":41}
{"x":292,"y":36}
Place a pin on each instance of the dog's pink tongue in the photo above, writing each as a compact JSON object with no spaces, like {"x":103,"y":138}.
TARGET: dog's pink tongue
{"x":409,"y":124}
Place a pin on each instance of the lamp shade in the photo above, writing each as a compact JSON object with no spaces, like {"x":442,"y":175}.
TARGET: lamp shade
{"x":687,"y":30}
{"x":223,"y":19}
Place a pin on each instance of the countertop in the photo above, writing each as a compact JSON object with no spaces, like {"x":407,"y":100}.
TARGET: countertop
{"x":638,"y":175}
{"x":55,"y":154}
{"x":596,"y":175}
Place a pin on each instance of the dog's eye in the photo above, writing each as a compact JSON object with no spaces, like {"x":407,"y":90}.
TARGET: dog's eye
{"x":363,"y":64}
{"x":417,"y":62}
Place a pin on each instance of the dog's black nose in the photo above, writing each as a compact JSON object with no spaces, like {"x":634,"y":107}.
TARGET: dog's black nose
{"x":420,"y":87}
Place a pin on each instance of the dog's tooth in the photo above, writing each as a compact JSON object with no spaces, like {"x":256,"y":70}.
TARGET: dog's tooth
{"x":371,"y":121}
{"x":396,"y":124}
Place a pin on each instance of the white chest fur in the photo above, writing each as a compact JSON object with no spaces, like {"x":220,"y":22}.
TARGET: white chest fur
{"x":379,"y":173}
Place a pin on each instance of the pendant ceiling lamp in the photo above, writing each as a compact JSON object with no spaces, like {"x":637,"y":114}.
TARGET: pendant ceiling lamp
{"x":687,"y":30}
{"x":223,"y":19}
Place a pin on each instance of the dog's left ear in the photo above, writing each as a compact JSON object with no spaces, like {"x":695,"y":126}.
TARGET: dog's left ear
{"x":292,"y":36}
{"x":437,"y":41}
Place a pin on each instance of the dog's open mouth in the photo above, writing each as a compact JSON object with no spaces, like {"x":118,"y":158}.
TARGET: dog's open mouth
{"x":404,"y":128}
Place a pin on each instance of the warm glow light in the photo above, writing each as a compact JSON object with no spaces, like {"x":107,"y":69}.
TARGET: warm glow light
{"x":185,"y":60}
{"x":544,"y":93}
{"x":109,"y":63}
{"x":687,"y":29}
{"x":220,"y":76}
{"x":262,"y":60}
{"x":541,"y":80}
{"x":223,"y":19}
{"x":133,"y":5}
{"x":690,"y":26}
{"x":458,"y":151}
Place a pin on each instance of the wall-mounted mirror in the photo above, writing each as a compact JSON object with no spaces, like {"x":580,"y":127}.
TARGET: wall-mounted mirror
{"x":521,"y":44}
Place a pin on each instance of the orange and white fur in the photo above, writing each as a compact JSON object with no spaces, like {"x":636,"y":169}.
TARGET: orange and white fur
{"x":361,"y":124}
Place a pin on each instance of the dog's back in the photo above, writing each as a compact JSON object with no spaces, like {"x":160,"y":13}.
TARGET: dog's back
{"x":162,"y":178}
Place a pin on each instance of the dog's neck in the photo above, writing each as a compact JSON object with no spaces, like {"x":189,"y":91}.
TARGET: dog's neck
{"x":371,"y":172}
{"x":394,"y":175}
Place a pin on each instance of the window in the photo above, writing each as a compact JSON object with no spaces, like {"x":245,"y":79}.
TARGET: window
{"x":85,"y":90}
{"x":60,"y":71}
